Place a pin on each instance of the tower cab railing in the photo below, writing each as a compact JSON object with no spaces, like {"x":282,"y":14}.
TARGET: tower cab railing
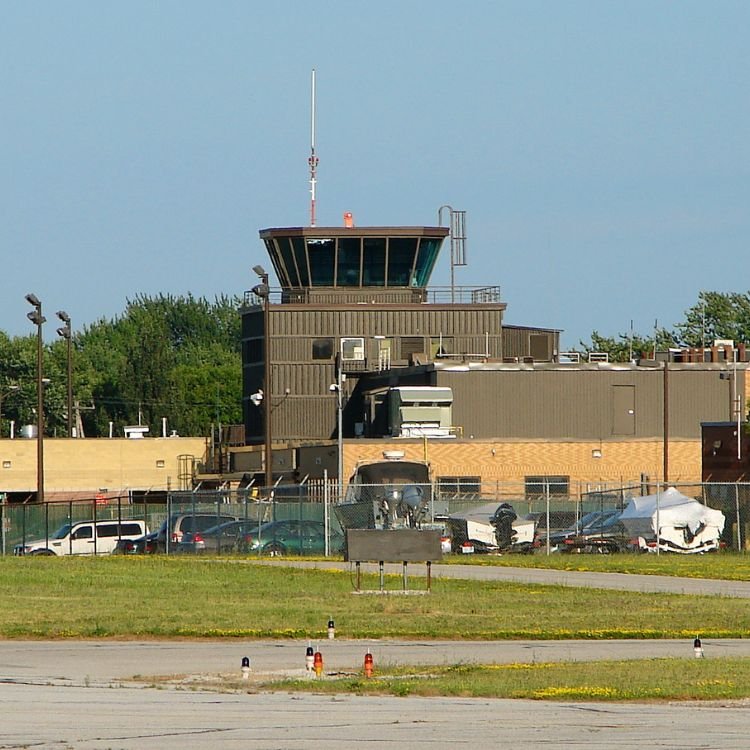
{"x":439,"y":295}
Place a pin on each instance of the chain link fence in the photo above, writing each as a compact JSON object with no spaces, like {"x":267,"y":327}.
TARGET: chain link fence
{"x":310,"y":520}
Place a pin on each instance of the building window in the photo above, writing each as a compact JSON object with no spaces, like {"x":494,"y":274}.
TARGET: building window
{"x":459,"y":488}
{"x":539,"y":486}
{"x":353,"y":350}
{"x":322,"y":348}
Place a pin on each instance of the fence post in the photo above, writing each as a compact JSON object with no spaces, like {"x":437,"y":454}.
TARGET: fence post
{"x":737,"y":511}
{"x":326,"y":521}
{"x":93,"y":529}
{"x":168,"y":527}
{"x":658,"y":520}
{"x":546,"y":492}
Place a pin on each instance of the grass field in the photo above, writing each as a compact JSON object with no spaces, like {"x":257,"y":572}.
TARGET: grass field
{"x":157,"y":596}
{"x":644,"y":680}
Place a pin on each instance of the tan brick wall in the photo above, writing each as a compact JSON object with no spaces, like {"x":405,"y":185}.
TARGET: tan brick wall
{"x":120,"y":464}
{"x":511,"y":461}
{"x":90,"y":464}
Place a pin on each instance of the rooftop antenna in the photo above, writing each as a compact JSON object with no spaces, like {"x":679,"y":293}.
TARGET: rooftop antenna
{"x":313,"y":160}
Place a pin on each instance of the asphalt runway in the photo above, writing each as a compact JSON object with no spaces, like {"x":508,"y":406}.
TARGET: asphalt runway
{"x":81,"y":694}
{"x":98,"y":718}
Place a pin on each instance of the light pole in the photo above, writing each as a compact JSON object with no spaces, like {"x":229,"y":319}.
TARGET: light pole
{"x":263,"y":291}
{"x":65,"y":332}
{"x":3,"y":394}
{"x":665,"y":395}
{"x":38,"y":319}
{"x":338,"y":387}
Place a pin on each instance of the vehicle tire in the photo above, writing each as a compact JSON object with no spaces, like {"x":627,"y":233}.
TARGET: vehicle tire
{"x":44,"y":553}
{"x":274,"y":549}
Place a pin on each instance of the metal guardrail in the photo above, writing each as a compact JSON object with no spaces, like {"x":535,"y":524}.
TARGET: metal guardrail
{"x":431,"y":295}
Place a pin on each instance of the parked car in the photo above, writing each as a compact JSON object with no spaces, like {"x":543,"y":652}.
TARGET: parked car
{"x":225,"y":537}
{"x":603,"y":535}
{"x":292,"y":537}
{"x":557,"y":538}
{"x":145,"y":544}
{"x":170,"y":533}
{"x":84,"y":538}
{"x":178,"y":524}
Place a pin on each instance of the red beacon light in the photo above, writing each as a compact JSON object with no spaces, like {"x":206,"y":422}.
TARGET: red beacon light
{"x":318,"y":664}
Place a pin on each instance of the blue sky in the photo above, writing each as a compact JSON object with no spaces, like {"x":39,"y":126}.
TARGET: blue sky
{"x":599,"y":148}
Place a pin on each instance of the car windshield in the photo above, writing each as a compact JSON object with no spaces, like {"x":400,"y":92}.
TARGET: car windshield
{"x":62,"y":532}
{"x":604,"y":521}
{"x":582,"y":522}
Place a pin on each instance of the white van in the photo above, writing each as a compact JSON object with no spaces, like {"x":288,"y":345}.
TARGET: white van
{"x":84,"y":538}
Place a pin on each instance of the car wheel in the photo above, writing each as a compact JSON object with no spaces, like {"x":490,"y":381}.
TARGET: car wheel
{"x":44,"y":552}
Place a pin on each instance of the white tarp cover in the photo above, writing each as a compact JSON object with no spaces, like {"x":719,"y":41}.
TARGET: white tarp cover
{"x":685,"y":524}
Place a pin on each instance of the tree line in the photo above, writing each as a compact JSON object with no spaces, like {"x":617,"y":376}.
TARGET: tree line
{"x":716,"y":315}
{"x":173,"y":357}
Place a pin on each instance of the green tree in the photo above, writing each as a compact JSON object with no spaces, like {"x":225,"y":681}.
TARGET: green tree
{"x":716,"y":315}
{"x":165,"y":357}
{"x":625,"y":346}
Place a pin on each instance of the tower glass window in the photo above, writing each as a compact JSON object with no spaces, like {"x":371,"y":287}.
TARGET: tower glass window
{"x":373,"y":271}
{"x":349,"y":261}
{"x":402,"y":253}
{"x":322,"y":254}
{"x":354,"y":258}
{"x":428,"y":252}
{"x":301,"y":257}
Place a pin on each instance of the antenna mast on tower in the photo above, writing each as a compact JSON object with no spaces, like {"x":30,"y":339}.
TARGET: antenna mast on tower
{"x":313,"y":160}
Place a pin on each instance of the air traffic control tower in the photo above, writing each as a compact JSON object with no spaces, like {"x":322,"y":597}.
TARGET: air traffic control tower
{"x":346,"y":264}
{"x":353,"y":302}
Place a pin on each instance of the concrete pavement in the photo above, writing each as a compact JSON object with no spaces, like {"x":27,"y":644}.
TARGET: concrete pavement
{"x":98,"y":718}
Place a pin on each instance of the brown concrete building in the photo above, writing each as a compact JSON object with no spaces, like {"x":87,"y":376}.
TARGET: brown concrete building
{"x":433,"y":372}
{"x":355,"y":310}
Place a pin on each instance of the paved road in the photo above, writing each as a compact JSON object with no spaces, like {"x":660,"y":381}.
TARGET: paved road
{"x":574,"y":578}
{"x":74,"y":694}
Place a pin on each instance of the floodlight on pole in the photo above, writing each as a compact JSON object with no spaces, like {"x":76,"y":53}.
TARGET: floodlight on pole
{"x":338,"y":388}
{"x":66,"y":333}
{"x":38,"y":319}
{"x":263,"y":291}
